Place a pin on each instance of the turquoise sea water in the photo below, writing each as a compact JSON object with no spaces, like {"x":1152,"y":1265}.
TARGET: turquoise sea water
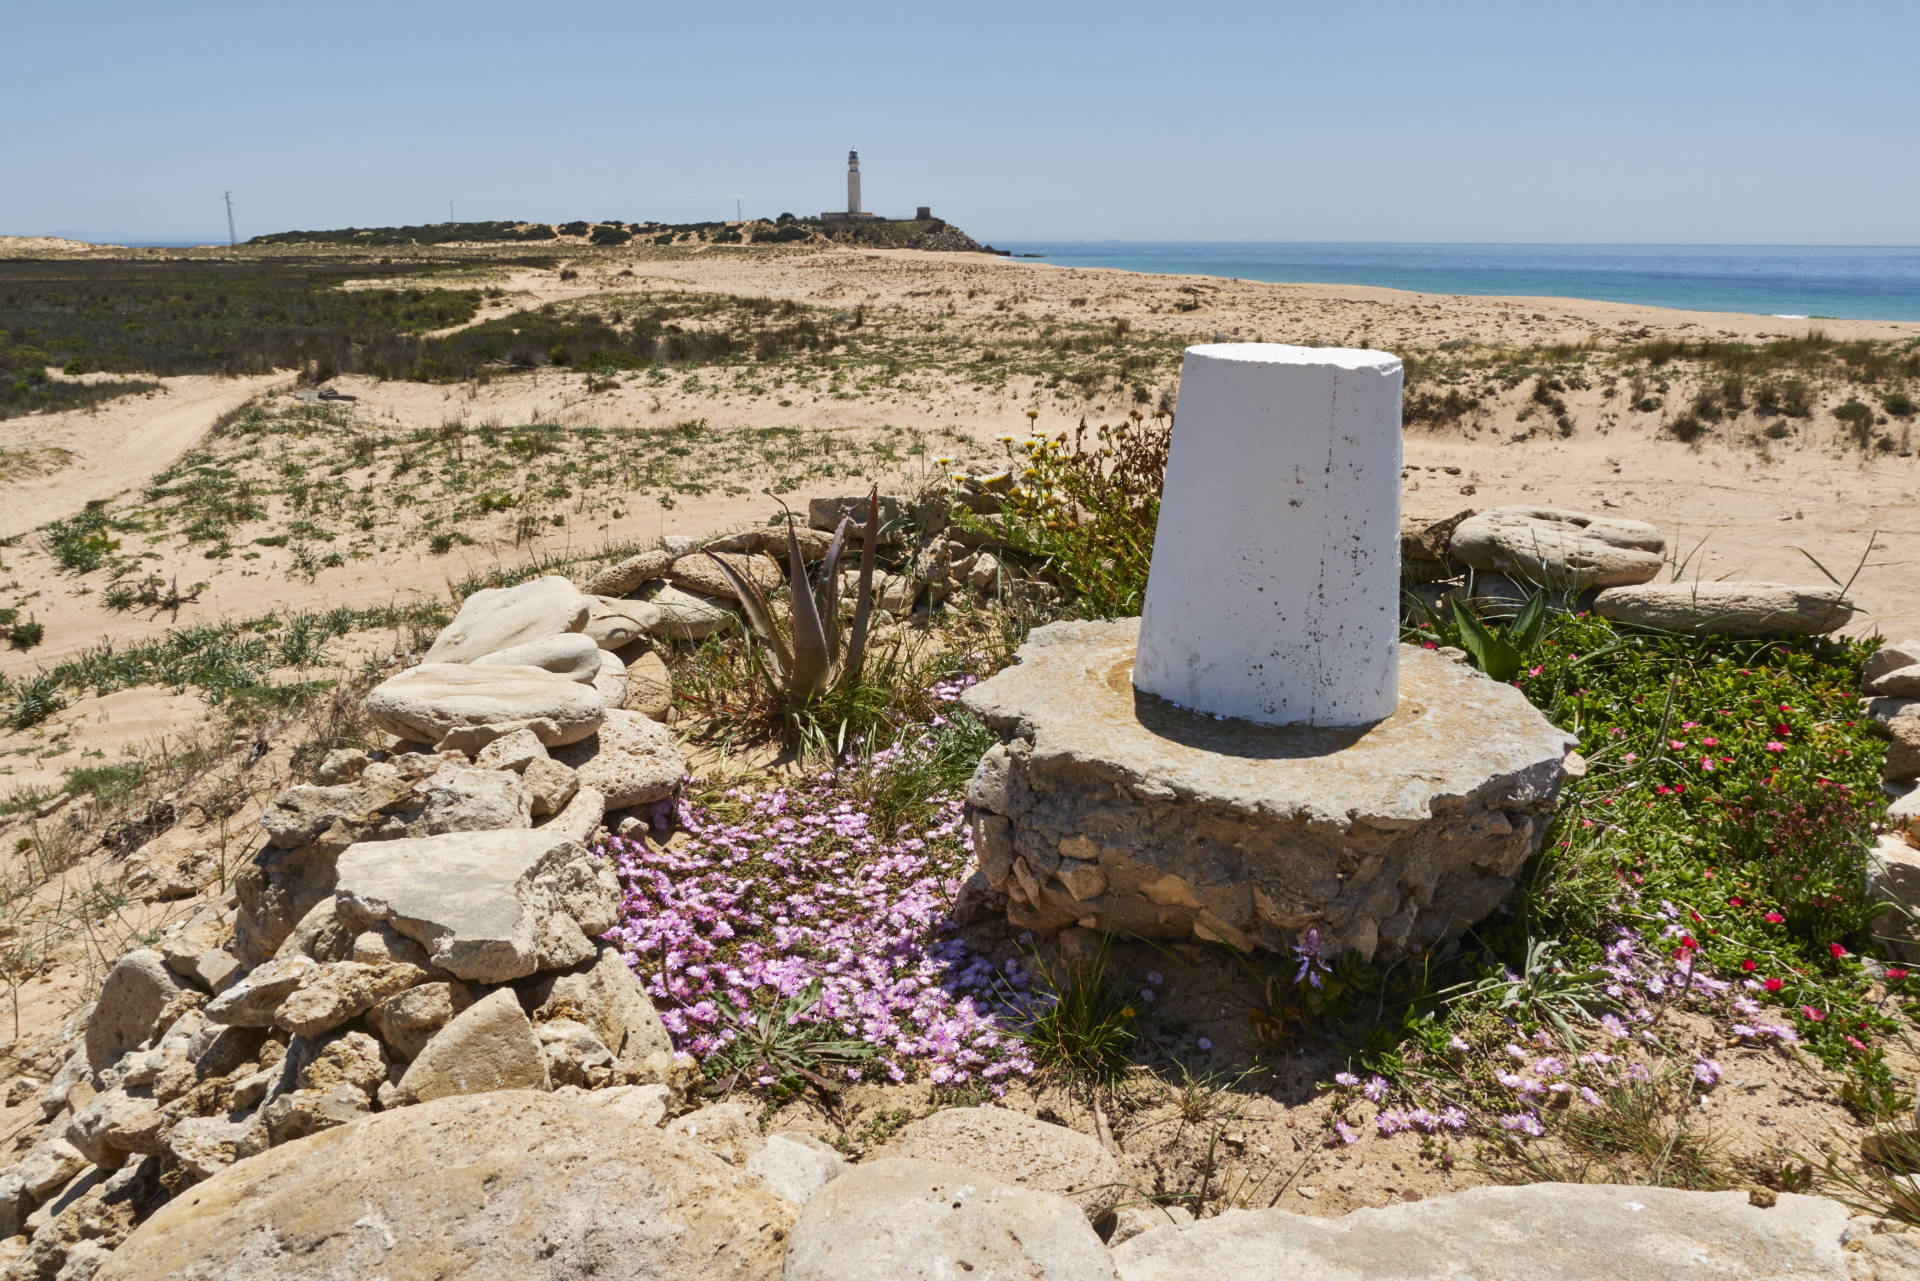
{"x":1855,"y":283}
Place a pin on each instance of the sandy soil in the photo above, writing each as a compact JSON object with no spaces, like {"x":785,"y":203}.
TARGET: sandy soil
{"x":115,"y":446}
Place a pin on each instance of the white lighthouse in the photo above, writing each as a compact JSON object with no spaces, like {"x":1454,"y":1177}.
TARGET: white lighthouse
{"x":853,"y":211}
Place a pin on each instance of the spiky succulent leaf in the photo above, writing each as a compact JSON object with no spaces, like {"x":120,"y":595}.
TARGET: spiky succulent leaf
{"x":759,"y":613}
{"x":863,"y":602}
{"x":812,"y":661}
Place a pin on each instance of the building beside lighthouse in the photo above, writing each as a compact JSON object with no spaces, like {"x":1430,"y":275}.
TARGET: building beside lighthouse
{"x":853,"y":211}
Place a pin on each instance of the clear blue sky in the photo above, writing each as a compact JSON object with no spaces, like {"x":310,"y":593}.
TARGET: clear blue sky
{"x":1743,"y":121}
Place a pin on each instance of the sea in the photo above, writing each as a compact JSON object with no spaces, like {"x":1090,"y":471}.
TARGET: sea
{"x":1797,"y":281}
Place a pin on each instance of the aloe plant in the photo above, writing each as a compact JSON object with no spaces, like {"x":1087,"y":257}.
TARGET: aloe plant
{"x":807,"y":651}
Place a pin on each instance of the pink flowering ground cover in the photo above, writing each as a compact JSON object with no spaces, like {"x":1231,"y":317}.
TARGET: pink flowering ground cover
{"x":766,"y":892}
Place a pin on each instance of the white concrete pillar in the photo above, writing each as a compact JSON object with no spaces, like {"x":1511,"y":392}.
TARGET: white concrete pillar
{"x":1274,"y":594}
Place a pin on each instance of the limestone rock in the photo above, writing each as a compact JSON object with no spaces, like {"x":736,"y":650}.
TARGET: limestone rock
{"x":727,"y":1130}
{"x":647,"y":1104}
{"x":1903,"y":813}
{"x":615,"y":624}
{"x":1901,"y":682}
{"x":1890,"y":658}
{"x":321,"y":934}
{"x":1384,"y":838}
{"x":795,"y":1165}
{"x":1018,"y":1149}
{"x":901,"y":1220}
{"x":772,"y":541}
{"x":570,"y":654}
{"x":205,"y":1145}
{"x":428,"y":702}
{"x":114,"y":1124}
{"x":667,"y":613}
{"x":48,"y":1166}
{"x":341,"y":765}
{"x":195,"y":955}
{"x":1129,"y":1221}
{"x":1568,"y":550}
{"x":472,"y":800}
{"x":581,"y":818}
{"x":610,"y":681}
{"x":513,"y":752}
{"x":497,"y":618}
{"x":548,"y":786}
{"x":574,"y":1055}
{"x":609,"y":999}
{"x":381,"y":944}
{"x":299,"y":1113}
{"x":276,"y":892}
{"x":649,"y":686}
{"x":695,"y":573}
{"x":1903,"y":753}
{"x":825,"y":514}
{"x":1571,"y":1232}
{"x":334,"y":993}
{"x":333,"y":817}
{"x":510,"y":1185}
{"x":488,"y":906}
{"x":253,"y":1000}
{"x":488,"y":1046}
{"x":407,"y":1020}
{"x":135,"y":991}
{"x":632,"y":761}
{"x":352,"y":1058}
{"x":1728,"y":608}
{"x":624,"y":576}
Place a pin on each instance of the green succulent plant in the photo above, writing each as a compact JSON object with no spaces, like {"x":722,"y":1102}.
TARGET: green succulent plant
{"x":807,"y":653}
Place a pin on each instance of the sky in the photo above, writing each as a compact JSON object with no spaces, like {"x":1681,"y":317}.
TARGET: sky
{"x":1613,"y":121}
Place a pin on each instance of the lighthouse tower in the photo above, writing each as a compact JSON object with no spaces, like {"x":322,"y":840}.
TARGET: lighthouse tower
{"x":853,"y":184}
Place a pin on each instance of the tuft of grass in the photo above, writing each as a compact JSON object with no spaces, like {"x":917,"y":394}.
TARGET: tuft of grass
{"x":1085,"y":1021}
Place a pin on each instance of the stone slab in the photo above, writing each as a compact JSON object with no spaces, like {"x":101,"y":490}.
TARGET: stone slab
{"x":1117,"y":810}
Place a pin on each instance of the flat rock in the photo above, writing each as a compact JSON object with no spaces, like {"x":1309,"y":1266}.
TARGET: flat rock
{"x":427,"y":702}
{"x":253,"y":1000}
{"x":624,"y":576}
{"x":570,"y":654}
{"x":1019,"y":1149}
{"x":341,"y":990}
{"x":675,"y":615}
{"x":497,"y":618}
{"x":490,"y":1045}
{"x":610,"y":681}
{"x":901,"y":1220}
{"x":1566,"y":550}
{"x":1728,"y":608}
{"x":1901,"y":682}
{"x":1570,"y":1232}
{"x":696,"y":573}
{"x":473,"y":1188}
{"x":1890,"y":658}
{"x":631,"y":761}
{"x":1903,"y":812}
{"x":135,"y":991}
{"x":649,"y":686}
{"x":616,"y":624}
{"x":1123,"y":810}
{"x":460,"y":799}
{"x":489,"y":907}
